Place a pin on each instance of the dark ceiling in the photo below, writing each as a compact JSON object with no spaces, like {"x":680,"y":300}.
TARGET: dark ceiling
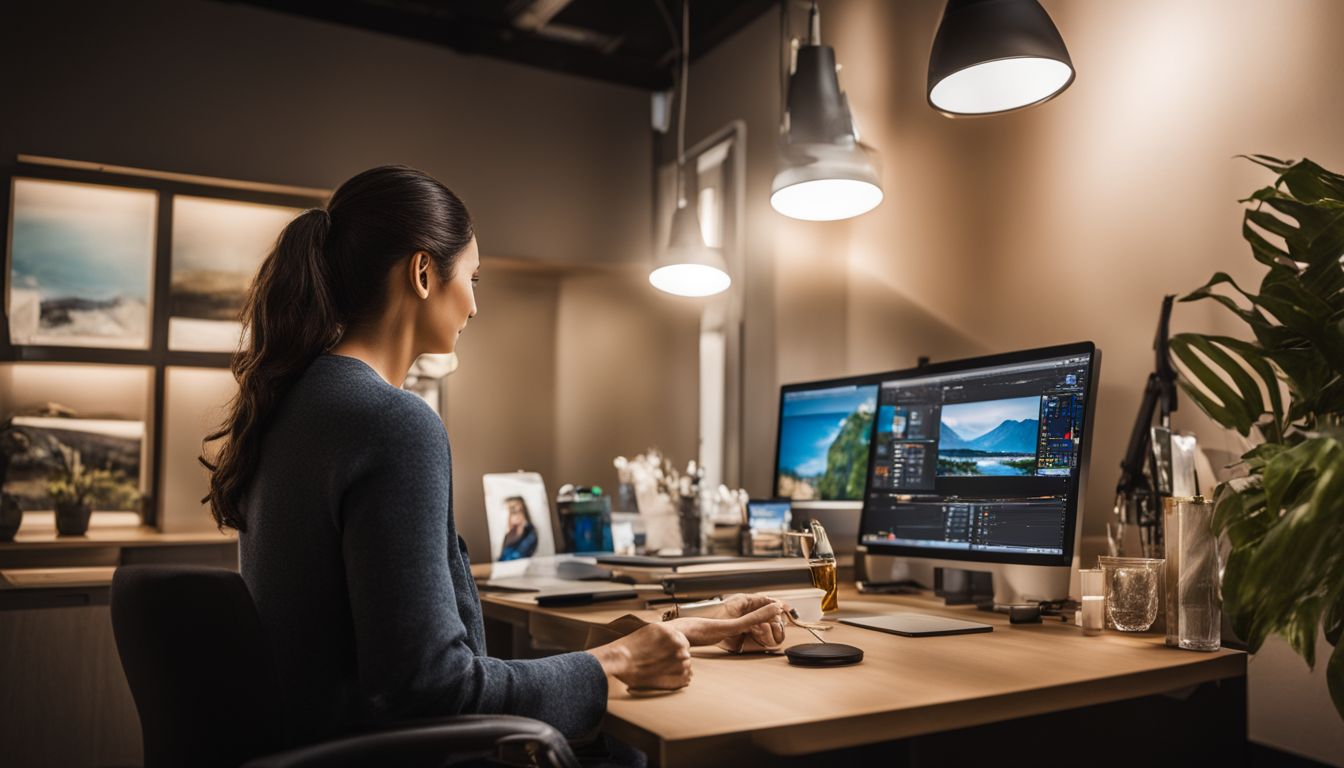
{"x":630,"y":42}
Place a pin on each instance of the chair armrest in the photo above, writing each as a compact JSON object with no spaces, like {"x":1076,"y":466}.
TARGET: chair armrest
{"x":508,"y":739}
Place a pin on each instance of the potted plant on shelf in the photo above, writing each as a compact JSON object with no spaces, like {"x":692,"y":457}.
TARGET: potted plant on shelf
{"x":1284,"y":519}
{"x":73,"y":489}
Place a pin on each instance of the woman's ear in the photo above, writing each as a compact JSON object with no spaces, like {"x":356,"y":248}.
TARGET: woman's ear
{"x":420,"y":265}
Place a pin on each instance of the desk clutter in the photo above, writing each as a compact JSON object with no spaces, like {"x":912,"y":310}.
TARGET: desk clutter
{"x":966,"y":474}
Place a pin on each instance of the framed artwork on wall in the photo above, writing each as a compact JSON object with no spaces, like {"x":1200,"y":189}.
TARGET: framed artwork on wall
{"x":112,"y":270}
{"x":111,"y":446}
{"x":217,"y":247}
{"x":81,"y":264}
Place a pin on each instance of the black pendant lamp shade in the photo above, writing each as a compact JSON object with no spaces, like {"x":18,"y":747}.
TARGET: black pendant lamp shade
{"x":818,"y":111}
{"x":993,"y":56}
{"x":824,"y":173}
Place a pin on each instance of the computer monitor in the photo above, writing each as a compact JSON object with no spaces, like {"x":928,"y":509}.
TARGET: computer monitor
{"x":822,"y":451}
{"x":981,"y":464}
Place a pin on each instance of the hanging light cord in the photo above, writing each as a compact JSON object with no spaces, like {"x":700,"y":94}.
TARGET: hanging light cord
{"x":783,"y":63}
{"x":681,"y":103}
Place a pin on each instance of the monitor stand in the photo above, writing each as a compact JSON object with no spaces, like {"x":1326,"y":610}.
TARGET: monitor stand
{"x":1012,"y":583}
{"x":959,"y":586}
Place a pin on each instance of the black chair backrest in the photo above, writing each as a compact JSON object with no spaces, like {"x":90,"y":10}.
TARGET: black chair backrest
{"x":198,"y":665}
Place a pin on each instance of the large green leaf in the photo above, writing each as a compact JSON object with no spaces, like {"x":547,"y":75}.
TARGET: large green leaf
{"x":1285,"y":519}
{"x":1237,"y":410}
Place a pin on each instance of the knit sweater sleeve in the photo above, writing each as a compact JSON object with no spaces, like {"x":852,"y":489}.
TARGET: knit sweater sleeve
{"x":412,"y":644}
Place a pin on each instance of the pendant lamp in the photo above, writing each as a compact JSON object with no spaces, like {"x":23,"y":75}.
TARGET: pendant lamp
{"x":687,"y":267}
{"x":992,"y":56}
{"x":825,"y":173}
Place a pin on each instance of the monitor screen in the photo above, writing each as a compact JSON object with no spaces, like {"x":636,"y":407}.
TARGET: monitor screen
{"x":981,"y":459}
{"x":824,"y":433}
{"x":769,"y":515}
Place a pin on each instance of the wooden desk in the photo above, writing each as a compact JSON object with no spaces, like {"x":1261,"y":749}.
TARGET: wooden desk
{"x":743,"y":705}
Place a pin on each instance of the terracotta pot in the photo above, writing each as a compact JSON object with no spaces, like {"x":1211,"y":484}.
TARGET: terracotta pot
{"x":11,"y":517}
{"x":72,"y":519}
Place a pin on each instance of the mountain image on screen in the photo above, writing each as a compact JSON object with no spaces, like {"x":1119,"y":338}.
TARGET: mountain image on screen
{"x":823,"y":450}
{"x":991,"y":437}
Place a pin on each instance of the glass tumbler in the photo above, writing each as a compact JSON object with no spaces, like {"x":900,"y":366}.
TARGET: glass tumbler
{"x":1093,"y":600}
{"x":1132,"y":585}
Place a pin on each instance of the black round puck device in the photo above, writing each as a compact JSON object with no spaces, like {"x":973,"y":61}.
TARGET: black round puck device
{"x":823,"y":655}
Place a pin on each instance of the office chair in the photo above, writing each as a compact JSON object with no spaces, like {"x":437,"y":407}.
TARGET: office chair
{"x":208,"y":693}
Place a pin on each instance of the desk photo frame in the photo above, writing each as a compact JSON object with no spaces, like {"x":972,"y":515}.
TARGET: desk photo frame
{"x":518,"y":516}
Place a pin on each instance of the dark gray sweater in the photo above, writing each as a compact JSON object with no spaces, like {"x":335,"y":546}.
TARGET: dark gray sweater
{"x":363,"y":585}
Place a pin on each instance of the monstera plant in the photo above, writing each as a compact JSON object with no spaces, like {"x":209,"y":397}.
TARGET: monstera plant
{"x":1284,"y":519}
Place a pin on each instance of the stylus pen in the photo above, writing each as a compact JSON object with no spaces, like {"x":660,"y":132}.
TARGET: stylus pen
{"x":793,"y":613}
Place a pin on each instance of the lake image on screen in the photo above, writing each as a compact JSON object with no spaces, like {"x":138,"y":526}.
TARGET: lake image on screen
{"x":823,"y":443}
{"x":990,"y":437}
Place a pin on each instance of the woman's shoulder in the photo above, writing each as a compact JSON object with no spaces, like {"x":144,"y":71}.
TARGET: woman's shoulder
{"x":350,"y":397}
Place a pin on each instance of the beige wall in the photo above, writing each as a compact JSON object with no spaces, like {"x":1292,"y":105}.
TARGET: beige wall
{"x":627,"y":374}
{"x":500,"y":404}
{"x":1064,"y":222}
{"x":561,"y":371}
{"x":552,"y":167}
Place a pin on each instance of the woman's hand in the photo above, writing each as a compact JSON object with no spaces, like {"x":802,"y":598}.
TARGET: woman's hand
{"x":757,"y":615}
{"x":769,"y":634}
{"x":653,"y":656}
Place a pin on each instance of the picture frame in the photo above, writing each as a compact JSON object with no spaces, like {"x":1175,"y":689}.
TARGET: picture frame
{"x":116,"y":445}
{"x":509,"y":496}
{"x":80,"y":264}
{"x":217,"y":247}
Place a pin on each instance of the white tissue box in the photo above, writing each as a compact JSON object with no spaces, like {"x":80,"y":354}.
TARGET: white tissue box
{"x":805,"y":600}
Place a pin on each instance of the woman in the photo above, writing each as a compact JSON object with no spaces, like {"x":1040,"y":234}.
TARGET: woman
{"x":339,"y":483}
{"x":521,"y":539}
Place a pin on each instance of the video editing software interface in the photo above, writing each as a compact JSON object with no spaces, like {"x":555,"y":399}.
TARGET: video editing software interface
{"x":978,"y":460}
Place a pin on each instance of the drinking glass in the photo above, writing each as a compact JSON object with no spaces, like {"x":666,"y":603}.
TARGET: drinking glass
{"x":824,"y":577}
{"x":1131,"y":585}
{"x":1093,"y":600}
{"x":798,"y":544}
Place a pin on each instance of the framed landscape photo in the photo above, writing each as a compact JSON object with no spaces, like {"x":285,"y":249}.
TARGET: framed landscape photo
{"x":81,"y":264}
{"x":113,"y":445}
{"x":217,"y":247}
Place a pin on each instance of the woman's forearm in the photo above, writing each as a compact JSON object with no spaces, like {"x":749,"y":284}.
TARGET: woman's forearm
{"x":614,"y":658}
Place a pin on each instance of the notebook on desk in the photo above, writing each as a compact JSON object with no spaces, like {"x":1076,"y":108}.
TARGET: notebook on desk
{"x":692,"y":585}
{"x":671,"y":561}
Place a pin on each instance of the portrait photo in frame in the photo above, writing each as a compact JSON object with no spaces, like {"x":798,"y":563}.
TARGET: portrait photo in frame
{"x":518,"y":516}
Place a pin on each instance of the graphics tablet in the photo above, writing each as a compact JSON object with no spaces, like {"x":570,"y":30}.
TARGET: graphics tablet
{"x":917,"y":625}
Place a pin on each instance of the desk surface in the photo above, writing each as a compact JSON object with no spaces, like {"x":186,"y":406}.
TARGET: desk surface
{"x":904,"y":686}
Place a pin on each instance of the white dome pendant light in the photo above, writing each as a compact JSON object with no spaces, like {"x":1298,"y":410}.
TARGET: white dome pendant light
{"x":687,"y":267}
{"x":993,"y":56}
{"x":825,"y":173}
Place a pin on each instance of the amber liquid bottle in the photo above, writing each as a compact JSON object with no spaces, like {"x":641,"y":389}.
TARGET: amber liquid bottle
{"x":822,"y":563}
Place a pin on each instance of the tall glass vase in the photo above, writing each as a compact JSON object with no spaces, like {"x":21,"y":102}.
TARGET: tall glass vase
{"x":1193,"y":598}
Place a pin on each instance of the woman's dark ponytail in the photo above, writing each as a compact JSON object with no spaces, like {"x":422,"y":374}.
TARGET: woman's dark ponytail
{"x":328,"y":271}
